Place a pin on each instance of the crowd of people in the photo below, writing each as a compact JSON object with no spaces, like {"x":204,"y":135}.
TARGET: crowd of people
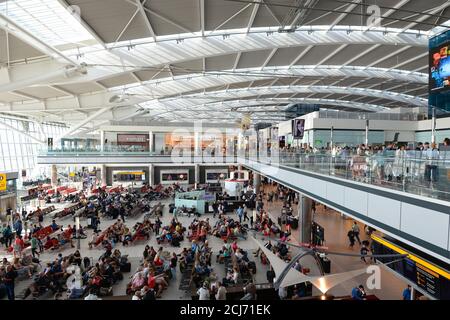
{"x":392,"y":163}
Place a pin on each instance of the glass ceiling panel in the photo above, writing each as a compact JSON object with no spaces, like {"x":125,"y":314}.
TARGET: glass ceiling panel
{"x":47,"y":20}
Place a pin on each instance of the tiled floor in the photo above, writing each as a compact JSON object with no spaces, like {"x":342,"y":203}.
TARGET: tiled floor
{"x":335,"y":226}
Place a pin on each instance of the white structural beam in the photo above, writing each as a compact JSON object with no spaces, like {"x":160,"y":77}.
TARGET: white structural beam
{"x":12,"y":28}
{"x":253,"y":103}
{"x":83,"y":123}
{"x":341,"y":17}
{"x":165,"y":87}
{"x":361,"y":54}
{"x":247,"y":93}
{"x":332,"y":53}
{"x":202,"y":16}
{"x":230,"y":18}
{"x":392,"y":10}
{"x":269,"y":57}
{"x":390,"y":55}
{"x":301,"y":55}
{"x":255,"y":9}
{"x":173,"y":51}
{"x":85,"y":25}
{"x":127,"y":25}
{"x":170,"y":21}
{"x":145,"y":18}
{"x":404,"y":63}
{"x":170,"y":52}
{"x":425,"y":17}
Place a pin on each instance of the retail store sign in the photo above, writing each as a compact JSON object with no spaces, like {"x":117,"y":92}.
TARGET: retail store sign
{"x":3,"y":181}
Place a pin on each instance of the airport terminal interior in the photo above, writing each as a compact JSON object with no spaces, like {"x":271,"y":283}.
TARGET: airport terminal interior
{"x":225,"y":150}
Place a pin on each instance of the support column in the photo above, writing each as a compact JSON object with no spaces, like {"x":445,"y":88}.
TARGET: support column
{"x":151,"y":179}
{"x":256,"y":182}
{"x":367,"y":133}
{"x":150,"y":141}
{"x":103,"y":173}
{"x":305,"y":218}
{"x":197,"y":174}
{"x":54,"y":176}
{"x":102,"y":140}
{"x":433,"y":125}
{"x":331,"y":138}
{"x":197,"y":144}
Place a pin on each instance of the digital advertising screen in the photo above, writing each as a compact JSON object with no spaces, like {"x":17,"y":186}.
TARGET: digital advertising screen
{"x":440,"y":68}
{"x":298,"y":128}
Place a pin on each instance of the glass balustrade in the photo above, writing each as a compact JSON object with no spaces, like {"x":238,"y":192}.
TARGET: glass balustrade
{"x":409,"y":171}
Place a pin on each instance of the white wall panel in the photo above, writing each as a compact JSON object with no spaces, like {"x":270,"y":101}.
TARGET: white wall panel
{"x":356,"y":200}
{"x":425,"y":224}
{"x":335,"y":193}
{"x":384,"y":210}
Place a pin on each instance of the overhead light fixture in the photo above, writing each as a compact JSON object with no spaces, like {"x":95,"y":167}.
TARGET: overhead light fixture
{"x":118,"y":98}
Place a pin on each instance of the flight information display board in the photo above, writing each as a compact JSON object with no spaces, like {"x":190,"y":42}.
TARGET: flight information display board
{"x":428,"y":280}
{"x":414,"y":269}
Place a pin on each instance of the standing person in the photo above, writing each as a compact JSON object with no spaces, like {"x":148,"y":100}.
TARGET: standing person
{"x":215,"y":207}
{"x":2,"y":238}
{"x":39,"y":214}
{"x":407,"y":293}
{"x":96,"y":223}
{"x":259,"y":205}
{"x":240,"y":213}
{"x":8,"y":280}
{"x":364,"y":251}
{"x":351,"y":238}
{"x":221,"y":292}
{"x":173,"y":265}
{"x":203,"y":292}
{"x":122,"y":213}
{"x":18,"y":246}
{"x":157,"y":226}
{"x":356,"y":230}
{"x":8,"y":236}
{"x":34,"y":246}
{"x":41,"y":245}
{"x":8,"y":215}
{"x":18,"y":227}
{"x":255,"y":216}
{"x":246,"y":216}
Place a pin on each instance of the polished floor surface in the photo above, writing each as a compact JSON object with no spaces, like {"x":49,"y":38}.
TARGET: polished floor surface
{"x":336,"y":228}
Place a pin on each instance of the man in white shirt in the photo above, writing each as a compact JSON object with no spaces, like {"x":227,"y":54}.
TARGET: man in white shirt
{"x":203,"y":292}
